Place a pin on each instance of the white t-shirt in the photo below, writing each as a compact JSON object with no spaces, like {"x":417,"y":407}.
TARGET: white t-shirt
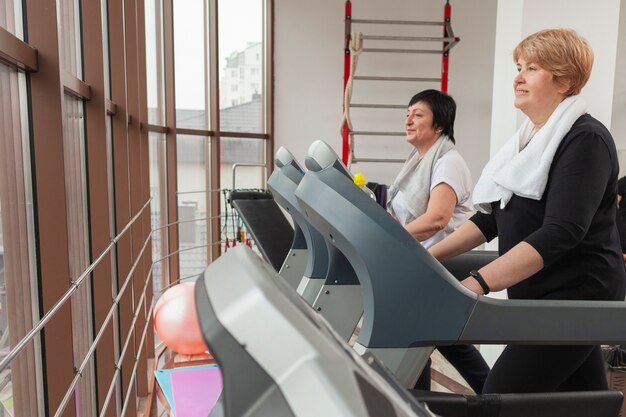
{"x":452,"y":170}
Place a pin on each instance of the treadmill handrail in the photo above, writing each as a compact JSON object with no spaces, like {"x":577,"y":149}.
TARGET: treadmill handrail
{"x":427,"y":306}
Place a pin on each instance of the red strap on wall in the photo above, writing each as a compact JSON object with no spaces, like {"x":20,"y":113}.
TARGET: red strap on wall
{"x":345,"y":132}
{"x":447,"y":13}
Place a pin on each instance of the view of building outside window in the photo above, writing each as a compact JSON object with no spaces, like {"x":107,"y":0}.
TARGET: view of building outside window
{"x":241,"y":63}
{"x":240,"y":81}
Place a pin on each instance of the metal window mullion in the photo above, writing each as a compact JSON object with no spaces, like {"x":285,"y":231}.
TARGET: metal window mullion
{"x":213,"y":164}
{"x":170,"y":121}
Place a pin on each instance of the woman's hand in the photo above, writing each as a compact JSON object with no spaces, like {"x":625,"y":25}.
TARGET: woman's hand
{"x":465,"y":238}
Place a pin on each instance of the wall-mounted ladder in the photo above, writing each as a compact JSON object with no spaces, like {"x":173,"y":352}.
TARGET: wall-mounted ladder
{"x":354,"y":47}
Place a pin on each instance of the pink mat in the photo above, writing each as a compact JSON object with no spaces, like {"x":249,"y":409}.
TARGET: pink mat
{"x":195,"y":391}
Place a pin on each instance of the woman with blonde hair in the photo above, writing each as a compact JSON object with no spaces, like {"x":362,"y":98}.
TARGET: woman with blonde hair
{"x":549,"y":196}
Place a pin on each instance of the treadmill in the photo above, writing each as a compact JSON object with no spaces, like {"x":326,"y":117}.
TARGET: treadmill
{"x":281,"y":359}
{"x":400,"y":279}
{"x":329,"y":283}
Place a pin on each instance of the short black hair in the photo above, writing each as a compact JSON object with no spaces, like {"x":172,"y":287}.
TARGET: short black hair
{"x":443,"y":107}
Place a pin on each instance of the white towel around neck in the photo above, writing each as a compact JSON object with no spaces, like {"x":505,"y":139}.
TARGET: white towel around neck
{"x":525,"y":173}
{"x":415,"y":177}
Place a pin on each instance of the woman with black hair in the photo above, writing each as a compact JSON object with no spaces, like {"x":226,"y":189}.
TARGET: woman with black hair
{"x":431,"y":197}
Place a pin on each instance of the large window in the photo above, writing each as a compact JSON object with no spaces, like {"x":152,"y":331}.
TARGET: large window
{"x":74,"y":182}
{"x":95,"y":118}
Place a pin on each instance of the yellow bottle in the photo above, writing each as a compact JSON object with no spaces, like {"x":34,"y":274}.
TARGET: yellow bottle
{"x":359,"y":181}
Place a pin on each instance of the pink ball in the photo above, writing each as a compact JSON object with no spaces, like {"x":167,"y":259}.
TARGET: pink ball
{"x":176,"y":320}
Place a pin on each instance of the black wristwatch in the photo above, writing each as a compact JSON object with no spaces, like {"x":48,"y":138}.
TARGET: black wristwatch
{"x":479,"y":278}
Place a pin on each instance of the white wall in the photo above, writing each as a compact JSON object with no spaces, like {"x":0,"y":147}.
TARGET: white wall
{"x":471,"y":78}
{"x":308,"y":59}
{"x":618,"y":120}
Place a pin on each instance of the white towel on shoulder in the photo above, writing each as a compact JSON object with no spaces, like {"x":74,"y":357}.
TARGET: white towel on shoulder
{"x":415,"y":177}
{"x":525,"y":173}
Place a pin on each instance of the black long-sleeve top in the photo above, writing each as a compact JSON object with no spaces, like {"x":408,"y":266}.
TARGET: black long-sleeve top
{"x":572,"y":226}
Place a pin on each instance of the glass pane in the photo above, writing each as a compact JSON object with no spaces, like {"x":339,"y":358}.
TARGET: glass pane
{"x":241,"y":53}
{"x":192,"y":207}
{"x":154,"y":62}
{"x":158,"y":209}
{"x":69,"y":37}
{"x":78,"y":246}
{"x":236,"y":156}
{"x":19,"y":393}
{"x":11,"y":17}
{"x":117,"y":399}
{"x":105,"y":49}
{"x":190,"y":64}
{"x":240,"y":168}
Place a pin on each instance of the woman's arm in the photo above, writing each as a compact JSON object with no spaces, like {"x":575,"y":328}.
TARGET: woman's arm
{"x":440,"y":208}
{"x":514,"y":266}
{"x":465,"y":238}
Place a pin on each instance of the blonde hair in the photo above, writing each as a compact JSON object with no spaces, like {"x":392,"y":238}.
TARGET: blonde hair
{"x":563,"y":52}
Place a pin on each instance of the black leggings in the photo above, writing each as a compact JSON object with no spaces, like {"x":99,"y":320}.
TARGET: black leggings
{"x":466,"y":359}
{"x":523,"y":369}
